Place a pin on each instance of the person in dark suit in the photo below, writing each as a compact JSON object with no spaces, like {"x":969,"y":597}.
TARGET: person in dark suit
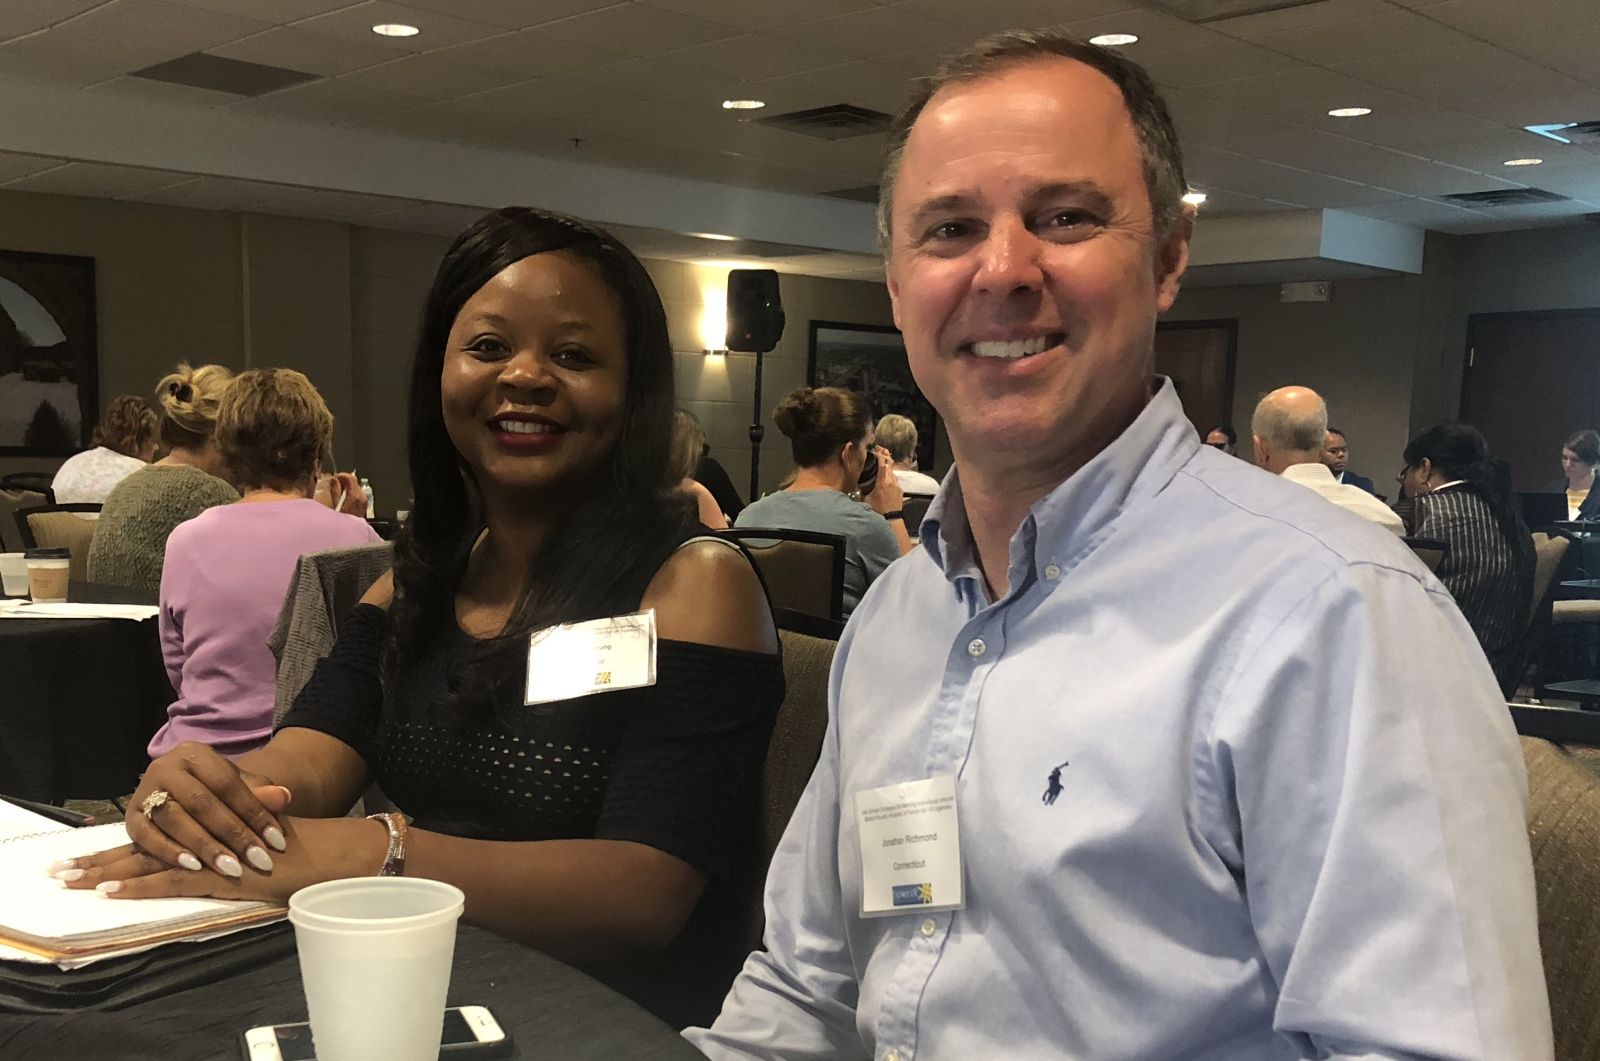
{"x":1460,"y":496}
{"x":1336,"y":455}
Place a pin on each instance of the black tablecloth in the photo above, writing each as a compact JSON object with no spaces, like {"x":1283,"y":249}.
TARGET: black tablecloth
{"x":552,"y":1011}
{"x":82,"y":698}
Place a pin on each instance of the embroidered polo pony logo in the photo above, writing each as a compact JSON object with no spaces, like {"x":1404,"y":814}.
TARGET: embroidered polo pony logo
{"x":1053,"y":788}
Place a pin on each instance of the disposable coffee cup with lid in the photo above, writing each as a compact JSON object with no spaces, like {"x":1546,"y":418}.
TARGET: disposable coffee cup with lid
{"x":48,"y":574}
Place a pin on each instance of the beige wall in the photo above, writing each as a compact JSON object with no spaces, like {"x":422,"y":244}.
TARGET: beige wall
{"x":341,"y":303}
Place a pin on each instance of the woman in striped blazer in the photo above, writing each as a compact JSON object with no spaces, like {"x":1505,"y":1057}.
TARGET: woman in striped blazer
{"x":1462,"y":497}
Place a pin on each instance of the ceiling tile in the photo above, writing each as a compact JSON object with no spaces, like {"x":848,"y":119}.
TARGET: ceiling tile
{"x":13,"y":166}
{"x":758,"y":14}
{"x":1411,"y":125}
{"x":1249,"y":27}
{"x":1422,"y":213}
{"x":94,"y":179}
{"x":140,"y":88}
{"x":1520,"y":109}
{"x":186,"y":29}
{"x":1575,"y":181}
{"x":863,"y":84}
{"x":1488,"y":154}
{"x":1352,"y":40}
{"x":444,"y":218}
{"x":512,"y":14}
{"x":1156,"y":32}
{"x":651,"y":79}
{"x":313,"y":53}
{"x":431,"y":76}
{"x":1337,"y":156}
{"x":276,"y":11}
{"x":335,"y":205}
{"x":874,"y":32}
{"x":999,"y":15}
{"x":1455,"y":76}
{"x":118,"y":38}
{"x":637,"y":30}
{"x":753,"y":57}
{"x":327,"y":103}
{"x":1298,"y":95}
{"x":1209,"y":168}
{"x":1221,"y":60}
{"x":219,"y":193}
{"x":530,"y":53}
{"x":1220,"y":202}
{"x":438,"y":30}
{"x":28,"y":16}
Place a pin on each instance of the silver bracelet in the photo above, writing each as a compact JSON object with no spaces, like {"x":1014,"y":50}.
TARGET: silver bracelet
{"x":394,"y":859}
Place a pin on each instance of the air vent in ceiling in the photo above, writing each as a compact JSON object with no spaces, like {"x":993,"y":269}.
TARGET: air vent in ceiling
{"x":1504,"y":197}
{"x":838,"y":122}
{"x":1217,"y":10}
{"x":199,"y":70}
{"x":867,"y":193}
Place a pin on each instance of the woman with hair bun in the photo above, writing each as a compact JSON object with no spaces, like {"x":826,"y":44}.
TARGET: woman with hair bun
{"x":131,"y":536}
{"x":124,"y":441}
{"x":830,"y":430}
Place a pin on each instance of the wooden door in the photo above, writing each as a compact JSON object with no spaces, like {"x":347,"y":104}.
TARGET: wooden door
{"x":1198,"y":357}
{"x":1531,"y":380}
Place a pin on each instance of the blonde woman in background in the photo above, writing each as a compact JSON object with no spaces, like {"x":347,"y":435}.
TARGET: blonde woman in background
{"x":124,"y":441}
{"x":688,"y":441}
{"x":131,"y":536}
{"x":898,"y":435}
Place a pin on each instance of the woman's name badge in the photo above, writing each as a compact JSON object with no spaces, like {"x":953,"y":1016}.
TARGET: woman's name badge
{"x":910,"y":848}
{"x":576,"y":659}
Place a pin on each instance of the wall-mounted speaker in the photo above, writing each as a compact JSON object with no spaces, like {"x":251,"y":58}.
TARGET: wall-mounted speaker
{"x":755,"y":311}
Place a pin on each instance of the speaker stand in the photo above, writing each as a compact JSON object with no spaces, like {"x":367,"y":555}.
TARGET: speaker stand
{"x":757,"y":433}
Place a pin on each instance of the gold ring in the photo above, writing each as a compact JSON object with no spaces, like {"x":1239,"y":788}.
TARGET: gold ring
{"x":152,"y":801}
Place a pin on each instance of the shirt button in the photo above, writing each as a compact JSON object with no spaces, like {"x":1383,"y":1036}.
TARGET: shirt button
{"x":976,"y":648}
{"x":929,"y":926}
{"x":1051,"y":572}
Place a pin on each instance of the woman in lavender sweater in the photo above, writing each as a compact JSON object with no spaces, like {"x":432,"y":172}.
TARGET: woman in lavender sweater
{"x":227,"y":570}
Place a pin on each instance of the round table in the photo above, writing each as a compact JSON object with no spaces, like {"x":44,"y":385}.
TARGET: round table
{"x":551,"y":1009}
{"x":82,"y":699}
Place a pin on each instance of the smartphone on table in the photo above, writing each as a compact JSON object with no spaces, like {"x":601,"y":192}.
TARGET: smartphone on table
{"x":469,"y":1032}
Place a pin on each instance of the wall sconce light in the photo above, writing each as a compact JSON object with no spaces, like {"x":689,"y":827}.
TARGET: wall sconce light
{"x":714,"y":327}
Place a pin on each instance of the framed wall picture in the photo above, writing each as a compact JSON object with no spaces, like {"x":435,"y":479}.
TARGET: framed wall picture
{"x":871,"y":360}
{"x":48,"y":359}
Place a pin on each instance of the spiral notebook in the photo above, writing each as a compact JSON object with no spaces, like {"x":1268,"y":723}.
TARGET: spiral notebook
{"x":41,"y":921}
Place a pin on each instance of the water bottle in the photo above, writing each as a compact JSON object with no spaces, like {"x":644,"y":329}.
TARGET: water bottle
{"x":372,"y":507}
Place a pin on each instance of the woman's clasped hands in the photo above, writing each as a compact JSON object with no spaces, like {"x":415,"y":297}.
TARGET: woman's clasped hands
{"x":200,"y":826}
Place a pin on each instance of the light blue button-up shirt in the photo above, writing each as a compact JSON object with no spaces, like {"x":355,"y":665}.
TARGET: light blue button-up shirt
{"x":1288,"y":820}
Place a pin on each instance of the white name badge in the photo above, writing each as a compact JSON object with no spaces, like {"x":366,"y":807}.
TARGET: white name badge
{"x":601,"y":655}
{"x":910,"y":848}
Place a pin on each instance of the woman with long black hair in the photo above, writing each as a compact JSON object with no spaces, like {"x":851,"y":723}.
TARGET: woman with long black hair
{"x":1462,"y":497}
{"x":583,"y":821}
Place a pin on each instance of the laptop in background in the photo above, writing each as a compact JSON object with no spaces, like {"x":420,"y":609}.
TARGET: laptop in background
{"x":1541,"y":509}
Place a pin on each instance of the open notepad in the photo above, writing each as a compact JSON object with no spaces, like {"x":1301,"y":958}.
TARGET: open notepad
{"x":42,"y":921}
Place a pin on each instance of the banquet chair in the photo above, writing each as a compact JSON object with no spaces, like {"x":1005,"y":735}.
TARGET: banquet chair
{"x":914,"y":508}
{"x":325,"y":587}
{"x":1548,"y":553}
{"x":1429,"y":551}
{"x":59,"y":527}
{"x":1564,"y":834}
{"x":30,"y":482}
{"x":10,"y":501}
{"x":803,"y":570}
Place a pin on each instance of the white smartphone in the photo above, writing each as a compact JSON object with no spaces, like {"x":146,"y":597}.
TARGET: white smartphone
{"x":469,"y":1032}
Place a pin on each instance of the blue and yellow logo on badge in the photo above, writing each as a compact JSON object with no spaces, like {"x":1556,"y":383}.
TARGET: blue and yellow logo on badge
{"x":913,"y":894}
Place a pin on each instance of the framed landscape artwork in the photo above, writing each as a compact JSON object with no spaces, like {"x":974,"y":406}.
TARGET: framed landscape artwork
{"x":871,"y":360}
{"x":48,"y":399}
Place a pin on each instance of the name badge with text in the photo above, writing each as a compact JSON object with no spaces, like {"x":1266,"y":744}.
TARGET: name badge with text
{"x":601,"y":655}
{"x":910,"y":848}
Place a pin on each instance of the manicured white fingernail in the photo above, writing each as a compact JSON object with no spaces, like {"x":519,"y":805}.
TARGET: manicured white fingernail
{"x":259,"y":858}
{"x":109,"y":886}
{"x":68,"y":874}
{"x":188,"y":861}
{"x":57,"y":867}
{"x":229,"y":866}
{"x":274,"y":836}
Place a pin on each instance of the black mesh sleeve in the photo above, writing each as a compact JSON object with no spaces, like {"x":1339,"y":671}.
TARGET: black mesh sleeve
{"x":344,"y":696}
{"x":687,"y":774}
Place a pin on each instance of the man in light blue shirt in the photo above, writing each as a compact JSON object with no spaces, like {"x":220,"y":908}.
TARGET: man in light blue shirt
{"x":1233,"y":779}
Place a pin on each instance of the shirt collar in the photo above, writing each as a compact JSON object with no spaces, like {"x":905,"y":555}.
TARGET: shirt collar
{"x":1308,"y":473}
{"x":1066,"y":524}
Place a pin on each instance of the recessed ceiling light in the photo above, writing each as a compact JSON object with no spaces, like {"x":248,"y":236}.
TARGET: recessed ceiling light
{"x":1524,"y":162}
{"x":712,"y":235}
{"x":395,"y":29}
{"x":1114,"y":40}
{"x":1349,"y":112}
{"x":1195,"y":198}
{"x":743,"y":104}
